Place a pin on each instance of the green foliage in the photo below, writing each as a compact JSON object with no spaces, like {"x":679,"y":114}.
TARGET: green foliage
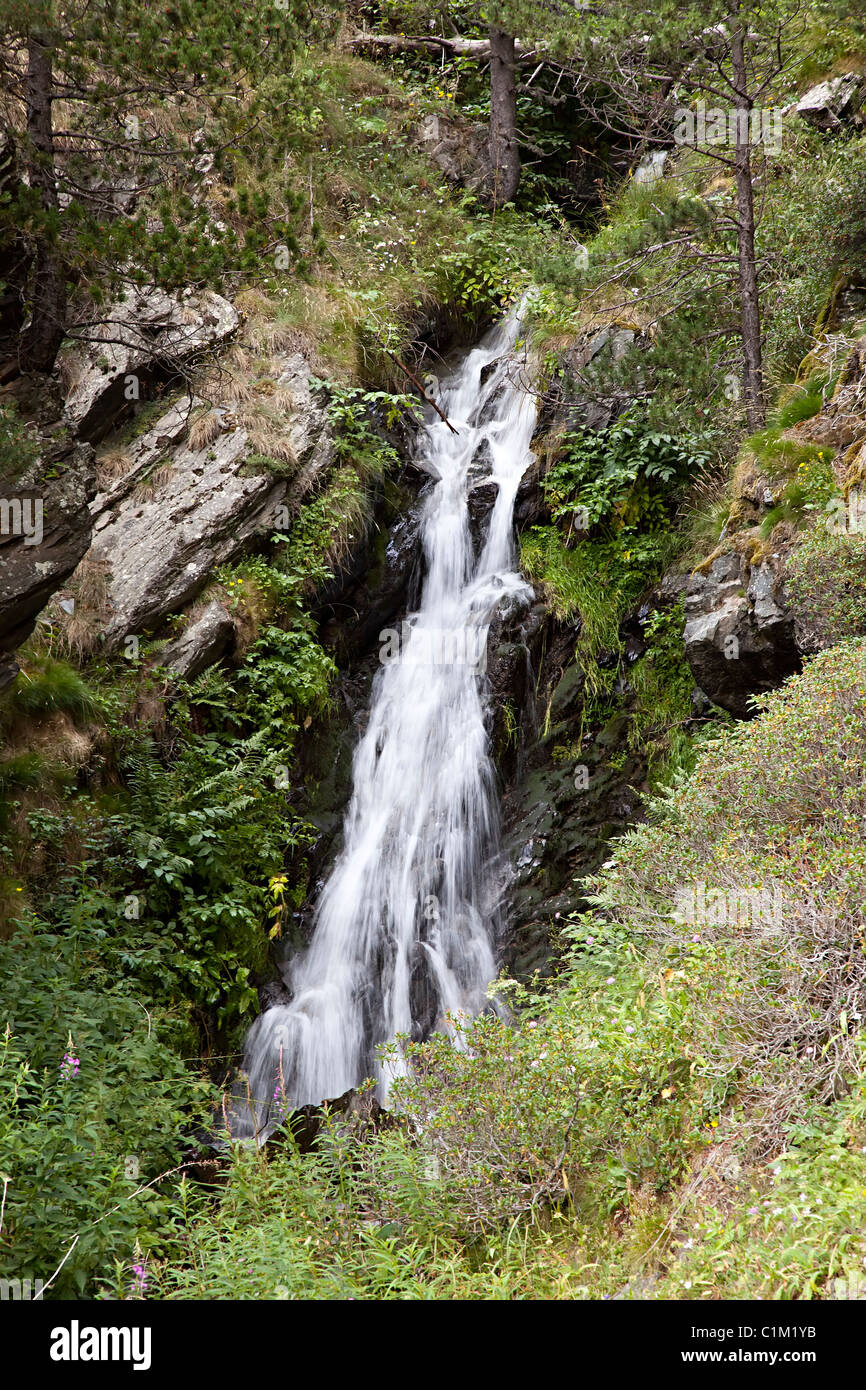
{"x":154,"y":907}
{"x":770,"y":806}
{"x":324,"y":527}
{"x":355,"y":414}
{"x":824,"y":581}
{"x":663,"y":683}
{"x":479,"y":277}
{"x":778,"y":455}
{"x":793,"y":1229}
{"x":293,"y":1226}
{"x":19,"y":447}
{"x":285,"y":673}
{"x":68,"y":1133}
{"x":624,"y":478}
{"x":48,"y":687}
{"x":613,"y":494}
{"x":815,"y":240}
{"x":23,"y":770}
{"x":142,"y":89}
{"x":804,"y":402}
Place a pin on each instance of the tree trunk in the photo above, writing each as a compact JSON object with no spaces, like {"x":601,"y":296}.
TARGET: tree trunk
{"x":503,"y":145}
{"x":44,"y":333}
{"x":750,"y":307}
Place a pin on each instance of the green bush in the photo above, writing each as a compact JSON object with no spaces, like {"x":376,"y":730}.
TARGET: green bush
{"x":623,"y":477}
{"x":769,"y":810}
{"x":95,"y":1100}
{"x":824,"y":582}
{"x":49,"y":686}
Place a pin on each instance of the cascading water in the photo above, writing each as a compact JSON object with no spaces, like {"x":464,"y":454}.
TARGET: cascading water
{"x":404,"y":932}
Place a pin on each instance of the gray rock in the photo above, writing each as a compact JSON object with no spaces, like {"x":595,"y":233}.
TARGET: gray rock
{"x":158,"y":552}
{"x":458,"y":148}
{"x":202,"y":644}
{"x":829,"y":105}
{"x":151,"y":327}
{"x":146,"y":452}
{"x":739,"y":636}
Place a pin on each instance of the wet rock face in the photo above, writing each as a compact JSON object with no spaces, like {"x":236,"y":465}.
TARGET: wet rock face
{"x":740,"y":637}
{"x":371,"y":590}
{"x":566,"y":791}
{"x":558,"y":819}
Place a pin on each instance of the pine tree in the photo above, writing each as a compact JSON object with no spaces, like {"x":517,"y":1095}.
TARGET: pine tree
{"x":656,"y":59}
{"x":114,"y":112}
{"x":506,"y":36}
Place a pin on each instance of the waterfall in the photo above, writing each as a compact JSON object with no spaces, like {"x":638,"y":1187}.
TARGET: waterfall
{"x":404,"y":931}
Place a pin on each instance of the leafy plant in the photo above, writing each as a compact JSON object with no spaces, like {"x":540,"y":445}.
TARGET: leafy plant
{"x":622,"y":477}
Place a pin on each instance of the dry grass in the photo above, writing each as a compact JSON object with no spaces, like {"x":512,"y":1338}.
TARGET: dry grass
{"x":266,"y":426}
{"x":56,"y":738}
{"x":204,"y":428}
{"x":111,"y":465}
{"x":148,"y":487}
{"x":77,"y":633}
{"x":245,"y":395}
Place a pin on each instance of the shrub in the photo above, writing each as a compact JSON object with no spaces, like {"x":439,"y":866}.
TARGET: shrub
{"x":89,"y":1080}
{"x":49,"y":686}
{"x":771,"y":808}
{"x":824,"y":581}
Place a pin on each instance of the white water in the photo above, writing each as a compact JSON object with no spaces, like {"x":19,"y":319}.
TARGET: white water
{"x":405,"y":926}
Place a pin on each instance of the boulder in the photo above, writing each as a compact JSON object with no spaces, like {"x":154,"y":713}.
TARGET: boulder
{"x":154,"y":332}
{"x":833,"y":103}
{"x":739,"y":635}
{"x":459,"y":149}
{"x":157,"y":552}
{"x":202,"y":643}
